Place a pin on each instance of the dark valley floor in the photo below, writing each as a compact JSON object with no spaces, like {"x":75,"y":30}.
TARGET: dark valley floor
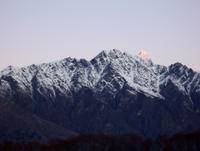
{"x":177,"y":142}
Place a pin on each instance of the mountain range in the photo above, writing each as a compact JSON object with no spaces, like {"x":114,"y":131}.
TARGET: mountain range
{"x":114,"y":93}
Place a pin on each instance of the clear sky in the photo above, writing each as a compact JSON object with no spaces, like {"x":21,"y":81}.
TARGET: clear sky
{"x":37,"y":31}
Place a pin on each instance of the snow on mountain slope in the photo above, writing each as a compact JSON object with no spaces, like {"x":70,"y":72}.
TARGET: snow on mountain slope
{"x":108,"y":72}
{"x":117,"y":67}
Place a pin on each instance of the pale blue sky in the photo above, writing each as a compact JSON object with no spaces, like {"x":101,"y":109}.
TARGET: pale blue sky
{"x":37,"y":31}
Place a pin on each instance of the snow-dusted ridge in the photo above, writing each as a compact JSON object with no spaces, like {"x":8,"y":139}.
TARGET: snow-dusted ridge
{"x":109,"y":71}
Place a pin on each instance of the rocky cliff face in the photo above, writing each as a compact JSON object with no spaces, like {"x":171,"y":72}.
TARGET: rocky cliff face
{"x":114,"y":93}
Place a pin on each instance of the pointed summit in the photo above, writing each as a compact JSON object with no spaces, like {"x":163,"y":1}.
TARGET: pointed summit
{"x":144,"y":54}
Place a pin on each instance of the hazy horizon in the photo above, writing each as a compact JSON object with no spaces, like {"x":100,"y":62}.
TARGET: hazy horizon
{"x":33,"y":32}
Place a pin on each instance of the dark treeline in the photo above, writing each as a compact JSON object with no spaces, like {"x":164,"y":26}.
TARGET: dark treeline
{"x":100,"y":142}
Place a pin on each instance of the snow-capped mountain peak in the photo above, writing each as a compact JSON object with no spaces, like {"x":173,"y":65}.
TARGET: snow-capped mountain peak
{"x":144,"y":54}
{"x":110,"y":71}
